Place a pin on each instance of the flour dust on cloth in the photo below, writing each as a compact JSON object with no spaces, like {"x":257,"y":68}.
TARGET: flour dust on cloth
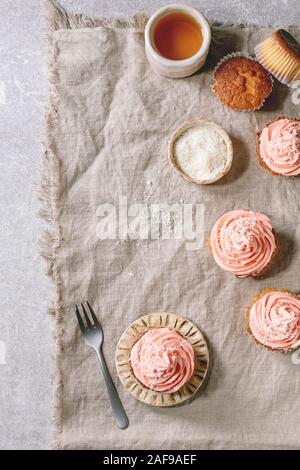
{"x":107,"y":128}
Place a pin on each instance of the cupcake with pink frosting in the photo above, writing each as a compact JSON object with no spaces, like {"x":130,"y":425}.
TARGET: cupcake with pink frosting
{"x":243,"y":243}
{"x":274,"y":320}
{"x":278,"y":146}
{"x":162,"y":360}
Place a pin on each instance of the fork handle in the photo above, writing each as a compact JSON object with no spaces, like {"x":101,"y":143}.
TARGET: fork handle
{"x":119,"y":412}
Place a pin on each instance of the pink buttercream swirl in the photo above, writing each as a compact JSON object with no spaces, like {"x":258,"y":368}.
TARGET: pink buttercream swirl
{"x":280,"y":146}
{"x":274,"y":321}
{"x":243,"y":242}
{"x":162,"y":360}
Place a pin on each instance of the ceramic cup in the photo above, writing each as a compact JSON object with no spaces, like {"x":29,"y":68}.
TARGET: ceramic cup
{"x":177,"y":68}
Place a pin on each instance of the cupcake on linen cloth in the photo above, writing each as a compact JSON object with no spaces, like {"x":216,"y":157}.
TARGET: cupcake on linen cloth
{"x":241,"y":83}
{"x":243,"y":242}
{"x":278,"y":146}
{"x":274,"y":320}
{"x":162,"y":359}
{"x":279,"y":53}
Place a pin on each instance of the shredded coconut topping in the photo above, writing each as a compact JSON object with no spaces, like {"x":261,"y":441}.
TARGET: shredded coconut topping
{"x":201,"y":153}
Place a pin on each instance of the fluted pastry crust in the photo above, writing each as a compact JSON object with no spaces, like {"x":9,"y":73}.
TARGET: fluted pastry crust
{"x":188,"y":331}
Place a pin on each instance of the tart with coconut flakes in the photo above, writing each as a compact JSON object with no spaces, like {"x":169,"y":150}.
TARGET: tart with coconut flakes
{"x":201,"y":151}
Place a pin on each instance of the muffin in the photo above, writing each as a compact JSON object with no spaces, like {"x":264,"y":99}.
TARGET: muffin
{"x":274,"y":320}
{"x":278,"y":146}
{"x":243,"y":243}
{"x":241,"y":83}
{"x":162,"y":359}
{"x":279,"y":53}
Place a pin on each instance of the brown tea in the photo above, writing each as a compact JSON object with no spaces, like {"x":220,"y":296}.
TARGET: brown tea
{"x":177,"y":36}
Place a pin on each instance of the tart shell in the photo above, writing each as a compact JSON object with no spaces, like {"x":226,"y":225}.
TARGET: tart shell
{"x":198,"y":122}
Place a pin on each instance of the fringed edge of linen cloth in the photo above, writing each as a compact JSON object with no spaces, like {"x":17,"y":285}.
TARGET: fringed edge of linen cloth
{"x":49,"y":189}
{"x":58,"y":18}
{"x":51,"y":238}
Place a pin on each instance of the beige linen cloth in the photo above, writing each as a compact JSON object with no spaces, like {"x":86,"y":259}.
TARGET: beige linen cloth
{"x":107,"y":129}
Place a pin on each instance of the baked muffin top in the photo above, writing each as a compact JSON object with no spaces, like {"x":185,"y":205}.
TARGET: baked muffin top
{"x":242,"y":83}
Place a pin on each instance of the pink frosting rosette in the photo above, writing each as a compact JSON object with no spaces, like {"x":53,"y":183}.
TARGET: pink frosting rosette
{"x":243,"y":242}
{"x":162,"y":360}
{"x":274,"y":321}
{"x":279,"y":146}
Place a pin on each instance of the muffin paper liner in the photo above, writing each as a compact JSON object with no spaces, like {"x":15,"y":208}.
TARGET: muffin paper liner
{"x":247,"y":56}
{"x":275,"y":55}
{"x":188,"y":331}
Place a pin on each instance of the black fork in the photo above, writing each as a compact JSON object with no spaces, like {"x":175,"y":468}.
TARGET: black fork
{"x":92,"y":332}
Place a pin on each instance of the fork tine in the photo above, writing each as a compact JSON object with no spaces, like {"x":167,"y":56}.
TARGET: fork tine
{"x":96,"y":322}
{"x":80,"y":322}
{"x":87,"y":318}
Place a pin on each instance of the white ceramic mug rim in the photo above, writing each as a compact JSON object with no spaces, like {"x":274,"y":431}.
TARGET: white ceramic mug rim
{"x":201,"y":20}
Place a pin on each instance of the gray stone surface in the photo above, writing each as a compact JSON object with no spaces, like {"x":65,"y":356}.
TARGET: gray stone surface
{"x":25,"y":333}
